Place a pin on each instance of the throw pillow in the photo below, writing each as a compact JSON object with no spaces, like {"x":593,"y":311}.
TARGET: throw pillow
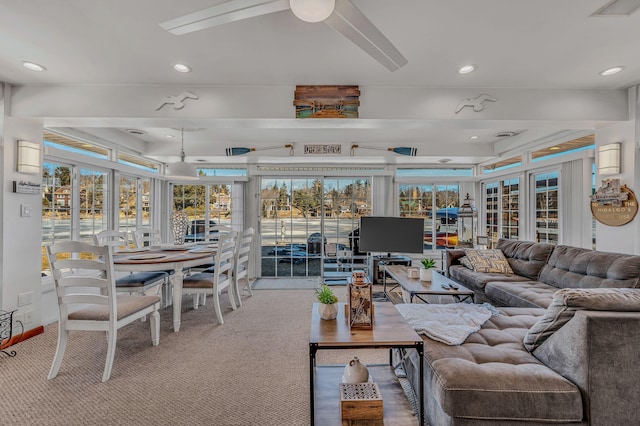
{"x":492,"y":260}
{"x":464,"y":261}
{"x":567,"y":301}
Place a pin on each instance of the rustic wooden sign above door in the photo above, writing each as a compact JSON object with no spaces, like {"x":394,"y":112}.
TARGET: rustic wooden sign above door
{"x":327,"y":101}
{"x":613,"y":204}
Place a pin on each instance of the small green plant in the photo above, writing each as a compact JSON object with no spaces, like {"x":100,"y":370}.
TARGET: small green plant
{"x":325,"y":295}
{"x":428,"y":263}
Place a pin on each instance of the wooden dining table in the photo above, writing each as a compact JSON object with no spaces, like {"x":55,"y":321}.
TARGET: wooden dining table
{"x":166,"y":258}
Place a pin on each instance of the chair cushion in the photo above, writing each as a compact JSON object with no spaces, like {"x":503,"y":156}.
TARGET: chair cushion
{"x":566,"y":302}
{"x":140,"y":279}
{"x":199,"y":280}
{"x":526,"y":294}
{"x":127,"y":305}
{"x":526,"y":258}
{"x":491,"y":260}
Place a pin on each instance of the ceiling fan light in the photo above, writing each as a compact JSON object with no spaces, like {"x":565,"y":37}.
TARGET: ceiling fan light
{"x":312,"y":10}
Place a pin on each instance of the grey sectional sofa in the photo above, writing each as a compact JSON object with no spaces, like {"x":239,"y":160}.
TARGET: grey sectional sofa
{"x":565,"y":352}
{"x":584,"y":373}
{"x":540,"y":269}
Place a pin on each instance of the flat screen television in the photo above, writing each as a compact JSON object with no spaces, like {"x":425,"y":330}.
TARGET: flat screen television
{"x":386,"y":234}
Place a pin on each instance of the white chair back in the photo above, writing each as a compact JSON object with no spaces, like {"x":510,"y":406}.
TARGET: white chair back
{"x":146,"y":237}
{"x":244,"y":245}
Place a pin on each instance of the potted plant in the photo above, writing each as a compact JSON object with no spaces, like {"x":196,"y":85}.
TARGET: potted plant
{"x":426,"y":270}
{"x":327,"y":308}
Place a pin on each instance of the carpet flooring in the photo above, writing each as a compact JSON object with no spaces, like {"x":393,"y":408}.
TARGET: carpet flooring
{"x":253,"y":370}
{"x":286,"y":283}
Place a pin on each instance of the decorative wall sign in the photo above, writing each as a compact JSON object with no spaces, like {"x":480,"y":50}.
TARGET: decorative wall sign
{"x":476,"y":103}
{"x":322,"y":149}
{"x":22,"y":187}
{"x":176,"y":100}
{"x":327,"y":101}
{"x":614,"y":205}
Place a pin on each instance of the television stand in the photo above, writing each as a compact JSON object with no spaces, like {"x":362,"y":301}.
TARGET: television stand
{"x":377,"y":273}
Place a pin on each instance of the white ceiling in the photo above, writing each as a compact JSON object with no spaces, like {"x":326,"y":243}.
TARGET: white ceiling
{"x":517,"y":44}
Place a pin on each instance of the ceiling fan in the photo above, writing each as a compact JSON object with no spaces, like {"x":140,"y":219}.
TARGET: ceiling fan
{"x":341,"y":15}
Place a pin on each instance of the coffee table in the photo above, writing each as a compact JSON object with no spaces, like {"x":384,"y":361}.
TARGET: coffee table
{"x":390,"y":330}
{"x":439,"y":285}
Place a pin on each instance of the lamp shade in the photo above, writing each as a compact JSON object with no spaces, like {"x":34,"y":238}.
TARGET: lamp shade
{"x":312,"y":10}
{"x":182,"y":170}
{"x":28,"y":157}
{"x":609,"y":159}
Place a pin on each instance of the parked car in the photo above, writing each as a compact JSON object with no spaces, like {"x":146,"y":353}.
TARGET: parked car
{"x":315,"y":242}
{"x":196,"y":230}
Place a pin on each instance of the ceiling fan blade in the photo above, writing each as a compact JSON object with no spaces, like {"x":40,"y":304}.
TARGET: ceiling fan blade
{"x":223,"y":13}
{"x":349,"y":21}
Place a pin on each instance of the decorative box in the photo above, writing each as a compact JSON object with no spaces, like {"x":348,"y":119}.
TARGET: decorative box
{"x":360,"y":401}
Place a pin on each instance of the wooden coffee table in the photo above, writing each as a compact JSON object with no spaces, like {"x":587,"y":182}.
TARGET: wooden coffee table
{"x":438,"y":286}
{"x":390,"y":330}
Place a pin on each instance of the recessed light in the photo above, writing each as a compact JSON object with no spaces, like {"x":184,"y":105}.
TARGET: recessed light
{"x":169,"y":136}
{"x":474,"y":137}
{"x":182,"y":68}
{"x":33,"y":66}
{"x":612,"y":70}
{"x":554,"y":148}
{"x":467,"y":69}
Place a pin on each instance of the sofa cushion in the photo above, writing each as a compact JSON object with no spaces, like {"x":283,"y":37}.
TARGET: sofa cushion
{"x":526,"y":294}
{"x":491,"y":260}
{"x":477,"y":280}
{"x":572,"y":267}
{"x":492,"y":377}
{"x":566,"y":302}
{"x":526,"y":258}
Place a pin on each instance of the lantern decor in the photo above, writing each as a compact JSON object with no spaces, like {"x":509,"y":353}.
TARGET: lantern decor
{"x":360,"y":301}
{"x":467,"y":223}
{"x":179,"y":224}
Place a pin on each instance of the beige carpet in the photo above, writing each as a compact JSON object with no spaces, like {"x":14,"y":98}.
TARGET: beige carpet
{"x":253,"y":370}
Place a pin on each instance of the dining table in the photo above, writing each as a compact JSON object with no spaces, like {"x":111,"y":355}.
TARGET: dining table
{"x":164,"y":258}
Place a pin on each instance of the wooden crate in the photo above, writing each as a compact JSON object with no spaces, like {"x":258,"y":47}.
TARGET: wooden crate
{"x":360,"y":401}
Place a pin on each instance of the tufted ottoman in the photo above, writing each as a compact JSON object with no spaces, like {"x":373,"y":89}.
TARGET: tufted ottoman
{"x":491,"y":378}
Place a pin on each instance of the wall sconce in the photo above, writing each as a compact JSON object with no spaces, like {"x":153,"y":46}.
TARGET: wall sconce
{"x":403,"y":150}
{"x":241,"y":151}
{"x":29,"y":157}
{"x":609,"y":159}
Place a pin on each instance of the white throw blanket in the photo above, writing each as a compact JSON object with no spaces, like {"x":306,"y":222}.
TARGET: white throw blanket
{"x":447,"y":323}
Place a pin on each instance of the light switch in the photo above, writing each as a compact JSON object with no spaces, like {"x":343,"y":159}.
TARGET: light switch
{"x":25,"y":210}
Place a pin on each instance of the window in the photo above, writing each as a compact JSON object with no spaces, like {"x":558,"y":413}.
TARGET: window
{"x":93,"y":195}
{"x":56,"y":207}
{"x":205,"y":205}
{"x":438,"y":205}
{"x":492,"y":212}
{"x":510,"y":202}
{"x":546,"y":193}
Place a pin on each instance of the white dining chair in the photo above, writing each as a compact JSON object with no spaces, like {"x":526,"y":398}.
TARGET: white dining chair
{"x":244,"y":243}
{"x":220,"y":278}
{"x":150,"y":237}
{"x":136,"y":282}
{"x":86,"y":292}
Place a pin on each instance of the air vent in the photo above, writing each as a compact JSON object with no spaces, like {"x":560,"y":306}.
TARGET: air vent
{"x":505,"y":134}
{"x":444,"y":160}
{"x":136,"y":132}
{"x":621,"y":8}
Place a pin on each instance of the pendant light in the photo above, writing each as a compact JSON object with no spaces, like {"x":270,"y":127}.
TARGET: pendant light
{"x":182,"y":170}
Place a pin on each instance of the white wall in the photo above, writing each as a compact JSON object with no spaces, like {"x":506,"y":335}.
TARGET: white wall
{"x":20,"y":255}
{"x":626,"y":238}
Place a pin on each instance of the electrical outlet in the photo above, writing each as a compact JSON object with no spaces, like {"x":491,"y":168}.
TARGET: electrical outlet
{"x":25,"y":299}
{"x":28,"y":317}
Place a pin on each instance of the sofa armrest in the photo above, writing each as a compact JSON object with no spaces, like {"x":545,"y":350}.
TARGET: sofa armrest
{"x":451,"y":257}
{"x":597,"y":350}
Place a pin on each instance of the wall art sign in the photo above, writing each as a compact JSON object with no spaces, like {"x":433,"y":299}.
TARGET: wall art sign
{"x":322,"y":149}
{"x":327,"y":101}
{"x":23,"y":187}
{"x":614,"y":204}
{"x":176,"y":100}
